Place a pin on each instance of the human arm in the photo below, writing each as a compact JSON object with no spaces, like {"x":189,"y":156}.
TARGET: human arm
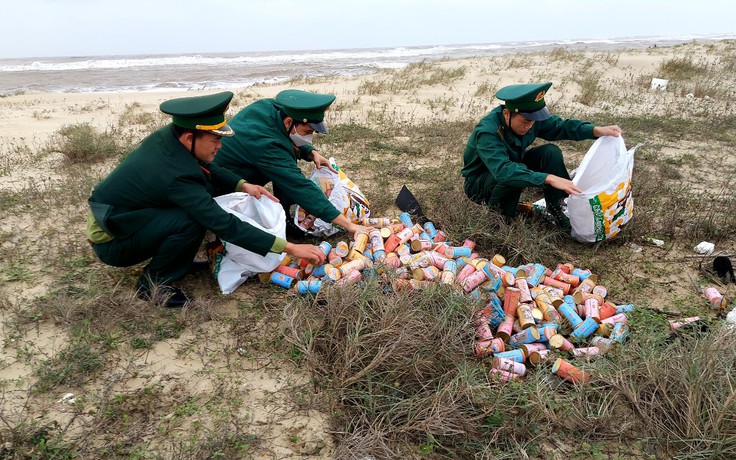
{"x":501,"y":160}
{"x":306,"y":251}
{"x":349,"y":226}
{"x":563,"y":184}
{"x":611,"y":130}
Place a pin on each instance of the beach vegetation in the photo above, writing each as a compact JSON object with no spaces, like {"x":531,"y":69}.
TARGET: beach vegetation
{"x":83,"y":142}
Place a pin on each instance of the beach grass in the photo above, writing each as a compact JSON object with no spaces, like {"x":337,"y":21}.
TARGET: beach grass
{"x":389,"y":375}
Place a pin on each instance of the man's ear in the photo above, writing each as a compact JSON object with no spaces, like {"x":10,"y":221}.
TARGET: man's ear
{"x":288,"y":122}
{"x":186,"y":139}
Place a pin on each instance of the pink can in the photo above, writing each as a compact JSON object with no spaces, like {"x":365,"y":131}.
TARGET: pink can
{"x":504,"y":376}
{"x":483,"y":332}
{"x":506,"y":329}
{"x":474,"y":280}
{"x":509,"y":365}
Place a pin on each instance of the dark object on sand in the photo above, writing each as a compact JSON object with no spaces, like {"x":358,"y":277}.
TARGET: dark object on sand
{"x":407,"y":203}
{"x":724,"y":268}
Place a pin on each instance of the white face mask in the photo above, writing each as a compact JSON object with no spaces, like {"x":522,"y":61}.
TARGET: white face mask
{"x":300,"y":140}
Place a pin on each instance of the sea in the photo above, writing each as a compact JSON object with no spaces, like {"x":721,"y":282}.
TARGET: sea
{"x":196,"y":71}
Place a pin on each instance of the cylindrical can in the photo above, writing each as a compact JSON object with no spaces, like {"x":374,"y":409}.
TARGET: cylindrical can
{"x":392,"y":260}
{"x":511,"y":301}
{"x":360,"y":239}
{"x":586,"y":351}
{"x":558,"y":284}
{"x":353,"y":265}
{"x":602,"y":343}
{"x":404,"y":235}
{"x":548,"y":330}
{"x":293,"y":272}
{"x":559,"y":342}
{"x":488,"y":347}
{"x":524,"y":313}
{"x":332,"y":274}
{"x":556,"y":296}
{"x":591,"y":309}
{"x":586,"y":285}
{"x":625,"y":308}
{"x":572,"y":280}
{"x":515,"y":355}
{"x":430,"y":229}
{"x":454,"y":252}
{"x":715,"y":299}
{"x":439,"y":260}
{"x":617,"y":318}
{"x":606,"y":310}
{"x":321,"y":271}
{"x":568,"y":311}
{"x":506,"y":328}
{"x":474,"y":280}
{"x":584,"y":274}
{"x":421,"y":245}
{"x":341,"y":249}
{"x":426,"y":273}
{"x":351,"y":277}
{"x":528,"y":335}
{"x":509,"y":365}
{"x":403,"y":249}
{"x":392,"y":242}
{"x":464,"y":272}
{"x":539,"y":356}
{"x":405,"y":219}
{"x":584,"y":330}
{"x":447,"y":277}
{"x":469,"y":244}
{"x":504,"y":376}
{"x":523,"y":287}
{"x":498,"y":260}
{"x":311,"y":287}
{"x":376,"y":240}
{"x":282,"y":280}
{"x":569,"y":372}
{"x":441,"y":236}
{"x":674,"y":325}
{"x":600,"y":290}
{"x":483,"y":332}
{"x":326,"y":247}
{"x":620,"y":332}
{"x":536,"y":274}
{"x":529,"y":348}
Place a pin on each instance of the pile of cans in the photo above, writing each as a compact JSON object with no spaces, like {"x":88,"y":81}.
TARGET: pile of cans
{"x":530,"y":313}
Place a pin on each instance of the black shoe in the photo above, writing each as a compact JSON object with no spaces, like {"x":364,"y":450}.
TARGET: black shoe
{"x":165,"y":296}
{"x":560,"y":217}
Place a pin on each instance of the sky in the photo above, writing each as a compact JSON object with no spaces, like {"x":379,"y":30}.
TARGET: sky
{"x":46,"y":28}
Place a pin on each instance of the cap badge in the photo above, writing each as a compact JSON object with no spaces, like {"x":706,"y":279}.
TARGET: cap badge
{"x":539,"y":97}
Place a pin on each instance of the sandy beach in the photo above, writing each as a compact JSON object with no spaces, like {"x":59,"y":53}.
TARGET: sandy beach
{"x":204,"y":358}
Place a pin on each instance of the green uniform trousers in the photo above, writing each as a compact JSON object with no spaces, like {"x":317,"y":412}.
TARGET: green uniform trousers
{"x":170,"y":240}
{"x":505,"y":198}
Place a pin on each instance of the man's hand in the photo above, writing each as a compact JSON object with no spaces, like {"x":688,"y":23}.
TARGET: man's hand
{"x":348,"y":225}
{"x":560,"y":183}
{"x":258,"y":191}
{"x":306,"y":251}
{"x":320,"y":161}
{"x":612,"y":130}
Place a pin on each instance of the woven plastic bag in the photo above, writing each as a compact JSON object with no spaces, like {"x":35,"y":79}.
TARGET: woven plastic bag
{"x":342,"y":193}
{"x":606,"y":203}
{"x":233,"y":265}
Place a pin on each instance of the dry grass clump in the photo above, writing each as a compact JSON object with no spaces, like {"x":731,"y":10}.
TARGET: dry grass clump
{"x":82,"y":142}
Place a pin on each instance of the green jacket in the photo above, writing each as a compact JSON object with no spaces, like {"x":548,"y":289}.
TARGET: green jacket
{"x":162,"y":173}
{"x":493,"y":148}
{"x":262,"y":152}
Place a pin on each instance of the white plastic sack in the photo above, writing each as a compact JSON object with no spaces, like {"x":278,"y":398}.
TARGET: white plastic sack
{"x":606,"y":203}
{"x":234,"y":265}
{"x":342,"y":193}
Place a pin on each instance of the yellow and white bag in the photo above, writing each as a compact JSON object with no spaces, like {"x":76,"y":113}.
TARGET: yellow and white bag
{"x":342,"y":193}
{"x":606,"y":203}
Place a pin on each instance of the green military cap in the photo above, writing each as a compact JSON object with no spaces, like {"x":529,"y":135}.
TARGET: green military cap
{"x":203,"y":113}
{"x":305,"y":107}
{"x":528,"y":100}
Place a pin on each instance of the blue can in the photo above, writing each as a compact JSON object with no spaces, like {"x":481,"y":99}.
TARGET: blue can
{"x":450,"y":266}
{"x":535,"y":274}
{"x":625,"y":308}
{"x":515,"y":355}
{"x":620,"y":332}
{"x":498,"y":316}
{"x":430,"y":229}
{"x":326,"y":247}
{"x":584,"y":330}
{"x":580,"y":273}
{"x":405,"y":219}
{"x":282,"y":280}
{"x":455,"y":252}
{"x":308,"y":287}
{"x":568,"y":311}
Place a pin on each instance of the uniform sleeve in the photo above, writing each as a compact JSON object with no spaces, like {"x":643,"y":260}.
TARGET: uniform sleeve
{"x":555,"y":128}
{"x":280,"y":168}
{"x":305,"y":152}
{"x":192,"y":196}
{"x":224,"y":180}
{"x":494,"y":153}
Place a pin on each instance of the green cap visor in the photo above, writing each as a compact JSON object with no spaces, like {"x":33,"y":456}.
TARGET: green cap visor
{"x":203,"y":113}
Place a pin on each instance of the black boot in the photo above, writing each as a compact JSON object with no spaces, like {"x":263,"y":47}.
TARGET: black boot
{"x":165,"y":296}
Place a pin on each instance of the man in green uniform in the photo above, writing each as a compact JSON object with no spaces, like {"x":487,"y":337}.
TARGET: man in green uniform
{"x":498,"y":164}
{"x":158,"y":202}
{"x":276,"y":133}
